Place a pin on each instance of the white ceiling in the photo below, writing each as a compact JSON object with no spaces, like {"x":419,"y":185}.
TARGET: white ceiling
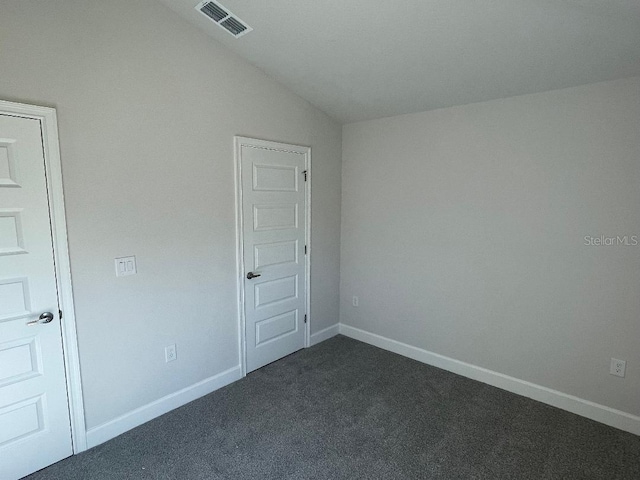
{"x":364,"y":59}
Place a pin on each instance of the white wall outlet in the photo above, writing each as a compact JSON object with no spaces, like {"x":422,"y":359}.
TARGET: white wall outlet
{"x":126,"y":266}
{"x":618,"y":367}
{"x":356,"y":301}
{"x":170,"y":353}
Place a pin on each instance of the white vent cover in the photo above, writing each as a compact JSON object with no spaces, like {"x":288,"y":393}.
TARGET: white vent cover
{"x":223,"y":17}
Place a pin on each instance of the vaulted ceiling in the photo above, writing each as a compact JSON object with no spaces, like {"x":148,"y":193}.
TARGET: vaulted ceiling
{"x":364,"y":59}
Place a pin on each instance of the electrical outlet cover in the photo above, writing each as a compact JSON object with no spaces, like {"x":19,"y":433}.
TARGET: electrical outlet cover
{"x":170,"y":353}
{"x":618,"y":367}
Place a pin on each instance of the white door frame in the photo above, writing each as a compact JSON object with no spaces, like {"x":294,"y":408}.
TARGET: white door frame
{"x":240,"y":141}
{"x":53,"y":170}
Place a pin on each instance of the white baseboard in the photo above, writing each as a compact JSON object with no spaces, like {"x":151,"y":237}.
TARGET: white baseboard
{"x":324,"y":334}
{"x":599,"y":413}
{"x":117,"y":426}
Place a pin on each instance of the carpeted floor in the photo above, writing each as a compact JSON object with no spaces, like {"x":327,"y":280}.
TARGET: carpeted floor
{"x":347,"y":410}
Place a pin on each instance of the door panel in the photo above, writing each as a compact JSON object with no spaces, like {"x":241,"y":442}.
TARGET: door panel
{"x":275,"y":291}
{"x":275,"y":253}
{"x":275,"y":217}
{"x":274,"y":231}
{"x":34,"y":414}
{"x":276,"y":327}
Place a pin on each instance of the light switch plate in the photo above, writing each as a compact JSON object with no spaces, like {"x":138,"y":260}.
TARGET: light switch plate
{"x":126,"y":266}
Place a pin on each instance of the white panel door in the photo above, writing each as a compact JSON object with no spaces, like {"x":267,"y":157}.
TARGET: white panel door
{"x":274,"y":230}
{"x":34,"y":414}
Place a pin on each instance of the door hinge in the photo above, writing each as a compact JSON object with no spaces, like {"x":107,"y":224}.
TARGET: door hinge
{"x":305,"y":175}
{"x":305,"y":318}
{"x":60,"y":314}
{"x":305,"y":249}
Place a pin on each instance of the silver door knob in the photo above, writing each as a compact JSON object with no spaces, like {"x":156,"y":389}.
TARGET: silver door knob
{"x":46,"y":317}
{"x":251,"y":275}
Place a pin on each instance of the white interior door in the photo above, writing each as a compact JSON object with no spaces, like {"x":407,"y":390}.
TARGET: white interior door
{"x":274,"y":221}
{"x":34,"y":414}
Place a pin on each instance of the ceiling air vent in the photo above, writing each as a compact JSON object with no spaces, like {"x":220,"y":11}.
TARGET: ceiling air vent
{"x":213,"y":11}
{"x":223,"y":18}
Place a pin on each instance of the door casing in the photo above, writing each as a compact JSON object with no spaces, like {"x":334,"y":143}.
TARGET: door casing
{"x":239,"y":141}
{"x":53,"y":170}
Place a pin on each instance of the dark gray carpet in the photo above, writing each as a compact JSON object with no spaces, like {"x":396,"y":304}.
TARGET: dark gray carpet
{"x":347,"y":410}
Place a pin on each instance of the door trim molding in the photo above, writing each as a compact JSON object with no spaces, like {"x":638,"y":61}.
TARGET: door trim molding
{"x":53,"y":169}
{"x":239,"y":141}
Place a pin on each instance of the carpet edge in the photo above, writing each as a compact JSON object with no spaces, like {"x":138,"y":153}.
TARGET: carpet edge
{"x":585,"y":408}
{"x":117,"y":426}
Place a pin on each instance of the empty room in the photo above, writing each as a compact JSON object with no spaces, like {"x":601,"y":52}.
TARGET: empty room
{"x":360,"y":239}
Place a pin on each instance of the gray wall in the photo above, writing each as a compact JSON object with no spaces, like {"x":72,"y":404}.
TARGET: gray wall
{"x":148,"y":107}
{"x":463,"y":234}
